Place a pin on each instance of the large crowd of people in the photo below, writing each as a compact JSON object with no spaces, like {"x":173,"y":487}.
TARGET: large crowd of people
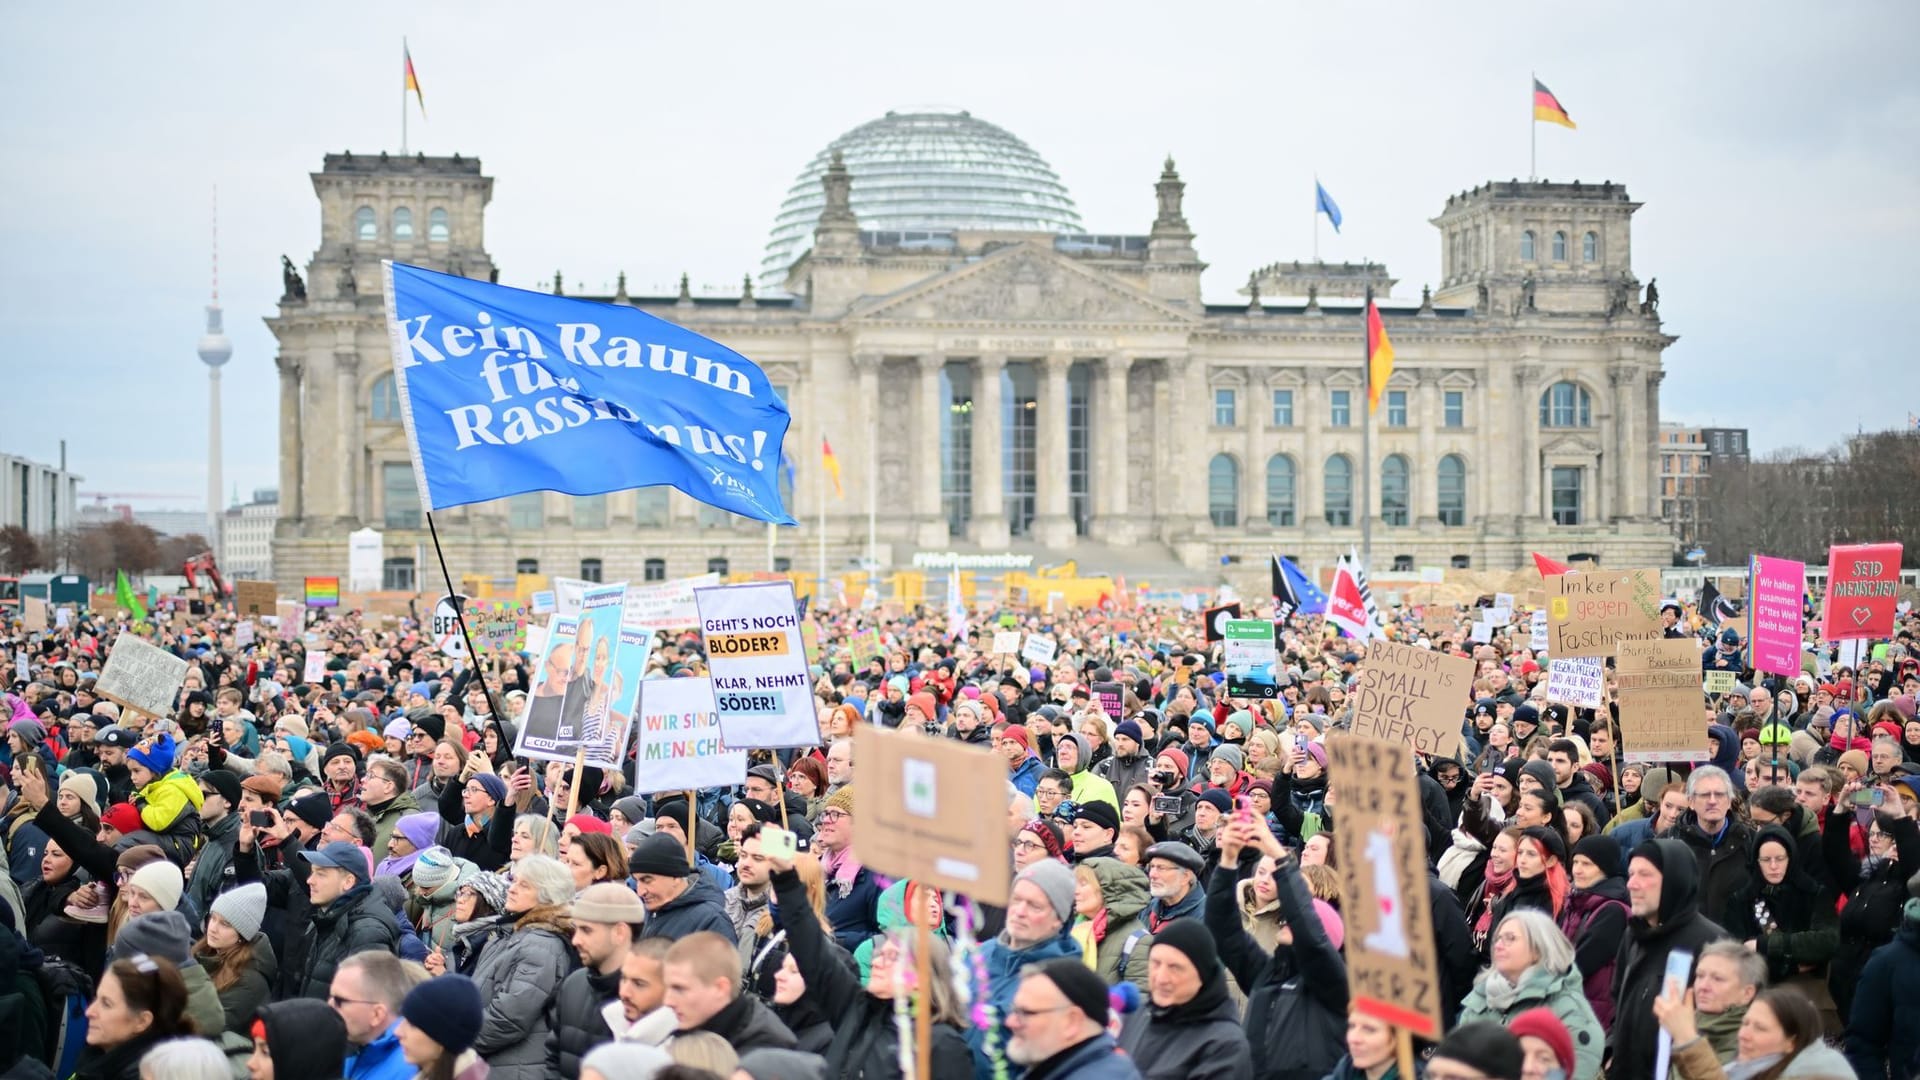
{"x":354,"y":878}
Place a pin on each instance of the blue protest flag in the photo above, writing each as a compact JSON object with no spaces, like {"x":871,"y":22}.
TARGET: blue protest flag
{"x":505,"y":391}
{"x":1323,"y":204}
{"x":1312,"y":601}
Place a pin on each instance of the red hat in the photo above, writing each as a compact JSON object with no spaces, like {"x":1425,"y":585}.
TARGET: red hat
{"x":1888,"y":728}
{"x":123,"y":817}
{"x":1178,"y":755}
{"x":925,"y":703}
{"x":587,"y":823}
{"x":1018,"y":733}
{"x":1543,"y":1025}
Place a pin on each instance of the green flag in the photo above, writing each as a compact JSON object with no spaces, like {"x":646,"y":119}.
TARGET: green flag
{"x":123,"y":592}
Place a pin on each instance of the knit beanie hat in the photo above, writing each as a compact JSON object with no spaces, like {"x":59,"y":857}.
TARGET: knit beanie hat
{"x":138,"y":855}
{"x":1083,"y":988}
{"x":341,"y":750}
{"x":124,"y":818}
{"x":1230,"y":754}
{"x":1486,"y":1047}
{"x":660,"y":855}
{"x":434,"y":868}
{"x":419,"y":829}
{"x":244,"y":909}
{"x":609,"y":902}
{"x":164,"y":935}
{"x":162,"y":881}
{"x":1049,"y":836}
{"x":1056,"y":881}
{"x":446,"y":1009}
{"x":1128,"y":728}
{"x":1602,"y":850}
{"x":1543,"y":1025}
{"x":1191,"y":938}
{"x":156,"y":755}
{"x":1218,"y":799}
{"x":491,"y":888}
{"x":495,"y":787}
{"x":631,"y":808}
{"x":1178,"y":757}
{"x":84,"y":788}
{"x":587,"y":823}
{"x":1549,"y":840}
{"x":842,"y":800}
{"x":224,"y":783}
{"x":314,"y":808}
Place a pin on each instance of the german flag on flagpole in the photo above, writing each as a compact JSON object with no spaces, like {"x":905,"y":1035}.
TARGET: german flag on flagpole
{"x":1379,"y":357}
{"x":1548,"y":108}
{"x":413,"y":80}
{"x":833,"y":466}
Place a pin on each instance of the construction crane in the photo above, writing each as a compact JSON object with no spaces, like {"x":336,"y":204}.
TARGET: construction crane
{"x":100,"y":497}
{"x":205,"y":564}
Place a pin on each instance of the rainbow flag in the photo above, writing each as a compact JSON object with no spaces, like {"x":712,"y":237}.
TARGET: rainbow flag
{"x":323,"y":592}
{"x":833,"y":467}
{"x":413,"y":79}
{"x":1547,"y":107}
{"x":1379,"y":358}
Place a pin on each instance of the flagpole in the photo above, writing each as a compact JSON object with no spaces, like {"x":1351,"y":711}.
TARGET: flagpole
{"x":873,"y":511}
{"x":403,"y":97}
{"x":822,"y":502}
{"x":1533,"y":134}
{"x":1366,"y":437}
{"x":1316,"y":217}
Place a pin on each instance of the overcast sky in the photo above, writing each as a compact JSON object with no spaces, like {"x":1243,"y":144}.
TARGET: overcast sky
{"x":1776,"y":147}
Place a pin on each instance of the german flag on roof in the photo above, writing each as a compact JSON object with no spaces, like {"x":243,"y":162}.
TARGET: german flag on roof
{"x":1547,"y":107}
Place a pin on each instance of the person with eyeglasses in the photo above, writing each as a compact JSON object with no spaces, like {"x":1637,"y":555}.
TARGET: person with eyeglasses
{"x":1057,"y":1025}
{"x":1719,"y":840}
{"x":1876,"y":886}
{"x":366,"y":993}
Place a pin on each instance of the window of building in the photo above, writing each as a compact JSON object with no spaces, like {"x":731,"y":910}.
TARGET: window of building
{"x":589,"y":512}
{"x":1223,"y":490}
{"x":1225,"y":406}
{"x":1396,"y":408}
{"x":1450,"y":484}
{"x":1402,"y":564}
{"x":402,"y":223}
{"x":717,"y":565}
{"x":1283,"y":408}
{"x":590,"y":570}
{"x":1395,"y":495}
{"x":1566,"y":405}
{"x":654,"y":570}
{"x":1559,"y":247}
{"x":1462,"y":562}
{"x":400,"y":496}
{"x":1340,"y":413}
{"x":1280,"y":491}
{"x":1453,"y":409}
{"x":366,"y":225}
{"x":650,"y":507}
{"x":1590,"y":248}
{"x":384,"y":405}
{"x":437,"y":229}
{"x":782,"y":564}
{"x":1566,"y":494}
{"x":1526,"y":246}
{"x":1338,"y":483}
{"x":526,"y":566}
{"x":398,"y":574}
{"x":524,"y":511}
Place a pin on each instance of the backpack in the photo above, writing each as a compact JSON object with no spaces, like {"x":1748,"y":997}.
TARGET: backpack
{"x":1126,"y":955}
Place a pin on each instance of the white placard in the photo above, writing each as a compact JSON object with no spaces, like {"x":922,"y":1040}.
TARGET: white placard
{"x":666,"y":605}
{"x":1039,"y":650}
{"x":1503,"y":600}
{"x":1006,"y":642}
{"x":761,"y":686}
{"x":142,"y":676}
{"x":1537,"y":631}
{"x":679,"y":743}
{"x":536,"y":640}
{"x":1578,"y":681}
{"x":1433,"y":575}
{"x":316,"y":669}
{"x":1496,"y":615}
{"x":1483,"y":632}
{"x":244,"y":634}
{"x":568,"y":594}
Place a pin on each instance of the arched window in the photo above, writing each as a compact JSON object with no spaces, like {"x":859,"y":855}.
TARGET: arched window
{"x":1566,"y":404}
{"x":1223,"y":490}
{"x":1590,"y":248}
{"x":365,"y":225}
{"x":1280,"y":490}
{"x":385,"y":403}
{"x":1559,"y":247}
{"x":1339,"y":489}
{"x":437,"y":224}
{"x":1526,"y":246}
{"x":402,"y":223}
{"x":1395,"y":494}
{"x":1451,"y":480}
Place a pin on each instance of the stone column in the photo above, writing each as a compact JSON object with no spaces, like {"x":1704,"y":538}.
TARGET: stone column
{"x":292,"y":453}
{"x":1526,"y":378}
{"x":1626,"y":404}
{"x":1646,"y":474}
{"x":346,"y":370}
{"x":930,"y":524}
{"x":860,"y":462}
{"x":1111,"y":490}
{"x":1166,"y":447}
{"x":1426,"y":464}
{"x":1253,"y":472}
{"x":1308,"y":497}
{"x":1052,"y":524}
{"x":989,"y":465}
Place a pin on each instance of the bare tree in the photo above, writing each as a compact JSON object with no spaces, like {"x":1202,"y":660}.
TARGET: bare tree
{"x":19,"y":551}
{"x":1796,"y":504}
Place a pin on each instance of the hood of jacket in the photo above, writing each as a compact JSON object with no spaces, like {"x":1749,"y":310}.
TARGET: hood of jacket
{"x":1726,"y":750}
{"x":1080,"y":743}
{"x":1797,"y":877}
{"x":1251,"y":907}
{"x":305,"y":1038}
{"x":1679,"y":881}
{"x":1123,"y":888}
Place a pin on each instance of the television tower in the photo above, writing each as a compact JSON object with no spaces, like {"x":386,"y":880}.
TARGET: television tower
{"x":215,"y":351}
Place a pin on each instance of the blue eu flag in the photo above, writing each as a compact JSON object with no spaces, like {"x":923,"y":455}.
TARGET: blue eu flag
{"x":1323,"y":204}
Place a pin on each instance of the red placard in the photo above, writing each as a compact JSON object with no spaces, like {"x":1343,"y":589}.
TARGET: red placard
{"x":1863,"y":589}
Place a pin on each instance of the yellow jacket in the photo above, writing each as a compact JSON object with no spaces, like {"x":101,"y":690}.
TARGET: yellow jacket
{"x":162,"y":802}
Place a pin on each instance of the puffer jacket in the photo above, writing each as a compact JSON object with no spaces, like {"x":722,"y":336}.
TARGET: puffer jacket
{"x":574,"y":1021}
{"x":254,"y":988}
{"x":356,"y":922}
{"x":1199,"y":1039}
{"x":1883,"y":1034}
{"x":1560,"y":992}
{"x":518,"y":976}
{"x":1296,"y":1014}
{"x":701,"y":907}
{"x":1003,"y":965}
{"x":1123,"y":889}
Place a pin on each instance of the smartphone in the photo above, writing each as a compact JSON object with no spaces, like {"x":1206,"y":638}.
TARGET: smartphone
{"x":1166,"y":804}
{"x":1869,"y":797}
{"x":260,"y":819}
{"x":1243,"y":809}
{"x":778,"y":843}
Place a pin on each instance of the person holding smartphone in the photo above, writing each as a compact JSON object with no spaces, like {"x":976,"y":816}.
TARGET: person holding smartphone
{"x":1877,"y":885}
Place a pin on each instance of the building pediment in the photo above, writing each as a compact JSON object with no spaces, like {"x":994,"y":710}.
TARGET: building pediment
{"x":1571,"y":444}
{"x":1024,"y":284}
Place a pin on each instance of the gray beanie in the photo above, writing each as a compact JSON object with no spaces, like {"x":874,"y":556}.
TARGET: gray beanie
{"x":1054,"y":879}
{"x":1230,"y":754}
{"x":244,"y":909}
{"x":164,"y":935}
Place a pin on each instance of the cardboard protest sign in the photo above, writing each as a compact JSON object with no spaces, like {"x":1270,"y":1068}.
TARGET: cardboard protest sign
{"x":666,"y":605}
{"x":255,"y":597}
{"x":759,"y":665}
{"x":103,"y":604}
{"x":1720,"y":682}
{"x":1588,"y":612}
{"x":1251,"y":658}
{"x":322,"y":591}
{"x":918,"y":803}
{"x":1662,"y":715}
{"x":679,"y":739}
{"x":1039,"y":650}
{"x":141,"y":676}
{"x":1778,"y":586}
{"x":1409,"y":696}
{"x":1863,"y":591}
{"x":865,"y":646}
{"x":33,"y":613}
{"x":1006,"y":642}
{"x":1579,"y":681}
{"x":1382,"y":854}
{"x":1215,"y":620}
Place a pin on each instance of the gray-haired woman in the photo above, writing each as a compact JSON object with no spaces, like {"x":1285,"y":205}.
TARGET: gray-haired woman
{"x":1532,"y":969}
{"x":519,"y":973}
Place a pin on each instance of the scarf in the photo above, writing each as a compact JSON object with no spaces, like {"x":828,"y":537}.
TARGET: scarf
{"x":842,"y":870}
{"x":1501,"y":994}
{"x":1497,"y":886}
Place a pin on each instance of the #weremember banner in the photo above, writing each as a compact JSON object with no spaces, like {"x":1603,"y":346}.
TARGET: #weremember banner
{"x":505,"y":391}
{"x":759,"y":665}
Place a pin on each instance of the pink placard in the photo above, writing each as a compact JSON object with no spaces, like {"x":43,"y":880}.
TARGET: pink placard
{"x":1778,"y":588}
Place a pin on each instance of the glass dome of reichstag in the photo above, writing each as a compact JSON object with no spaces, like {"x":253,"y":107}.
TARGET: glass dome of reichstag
{"x":925,"y":171}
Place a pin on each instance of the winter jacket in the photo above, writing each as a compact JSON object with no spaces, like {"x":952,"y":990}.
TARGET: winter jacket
{"x":1793,"y":924}
{"x":865,"y":1038}
{"x":744,"y":909}
{"x":1297,"y":995}
{"x":297,"y":1042}
{"x":1098,"y":1058}
{"x":381,"y":1059}
{"x":1725,"y":860}
{"x":1874,"y":900}
{"x":1199,"y":1039}
{"x":254,"y":988}
{"x":574,"y":1021}
{"x":432,"y":914}
{"x":747,"y":1024}
{"x":853,"y":906}
{"x":1640,"y":972}
{"x":490,"y":845}
{"x":701,"y":907}
{"x":1003,"y":964}
{"x":213,"y":871}
{"x":119,"y":1063}
{"x":1561,"y":992}
{"x":1883,"y":1034}
{"x":1696,"y":1061}
{"x":167,"y":800}
{"x":317,"y":940}
{"x":1595,"y":921}
{"x":1453,"y":946}
{"x":1159,"y":912}
{"x":518,"y":976}
{"x":1026,"y":775}
{"x":1580,"y":789}
{"x":203,"y":1001}
{"x":1123,"y":889}
{"x":387,"y":818}
{"x":1122,"y":774}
